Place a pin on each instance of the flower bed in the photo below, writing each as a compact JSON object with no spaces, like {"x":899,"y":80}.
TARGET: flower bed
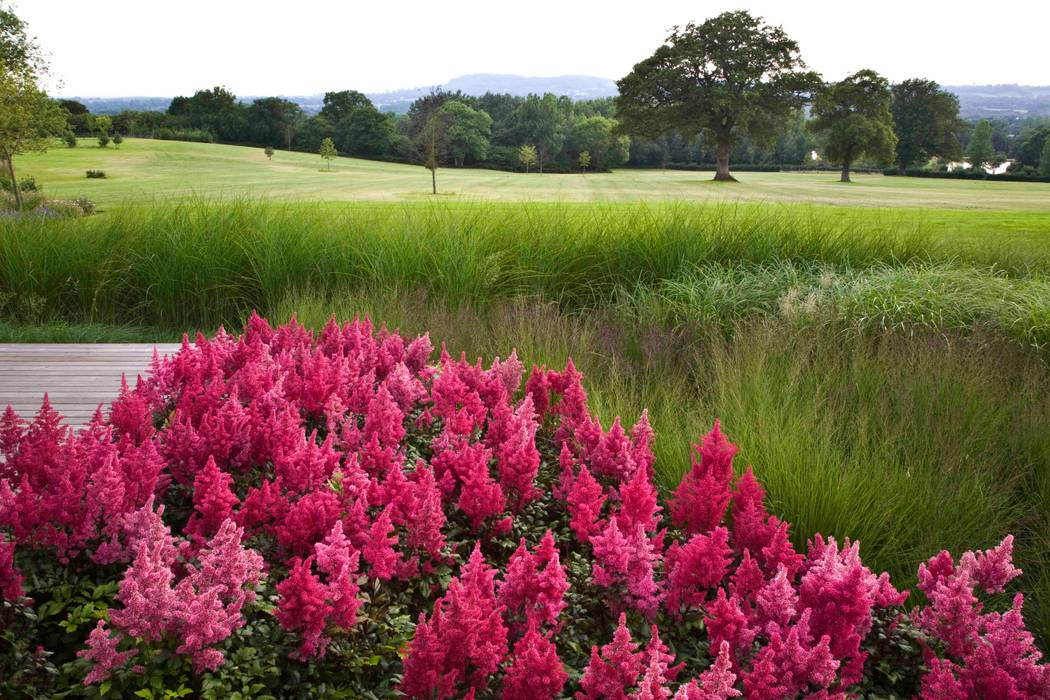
{"x":334,"y":512}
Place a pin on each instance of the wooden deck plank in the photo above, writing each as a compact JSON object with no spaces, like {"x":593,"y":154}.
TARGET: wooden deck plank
{"x":76,"y":377}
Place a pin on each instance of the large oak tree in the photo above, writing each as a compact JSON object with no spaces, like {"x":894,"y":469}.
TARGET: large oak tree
{"x":728,"y":77}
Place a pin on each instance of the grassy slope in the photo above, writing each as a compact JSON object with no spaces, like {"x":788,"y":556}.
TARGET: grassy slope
{"x":141,"y":171}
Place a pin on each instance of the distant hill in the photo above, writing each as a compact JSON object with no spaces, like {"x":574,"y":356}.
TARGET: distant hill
{"x":976,"y":101}
{"x":990,"y":101}
{"x":578,"y":87}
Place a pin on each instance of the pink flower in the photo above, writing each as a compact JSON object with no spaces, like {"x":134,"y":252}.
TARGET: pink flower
{"x":10,"y":577}
{"x":992,"y":569}
{"x":727,"y":623}
{"x":535,"y":583}
{"x":703,"y":494}
{"x":379,"y":551}
{"x":213,"y":501}
{"x":517,"y":458}
{"x":638,"y":503}
{"x":102,"y":653}
{"x":304,"y":606}
{"x":463,"y":642}
{"x":626,"y":566}
{"x":535,"y":670}
{"x":695,"y":568}
{"x":716,"y":683}
{"x":612,"y":673}
{"x":585,"y":500}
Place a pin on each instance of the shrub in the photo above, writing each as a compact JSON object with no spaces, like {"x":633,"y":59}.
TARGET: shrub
{"x":339,"y":513}
{"x":96,"y":174}
{"x":70,"y":139}
{"x":26,"y":184}
{"x":117,"y":140}
{"x":103,"y":140}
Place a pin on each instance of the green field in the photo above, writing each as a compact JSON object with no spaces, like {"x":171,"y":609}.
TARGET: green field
{"x":878,"y":349}
{"x":144,"y":171}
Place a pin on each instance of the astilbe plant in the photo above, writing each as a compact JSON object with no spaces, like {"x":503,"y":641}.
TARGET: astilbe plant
{"x":335,"y":507}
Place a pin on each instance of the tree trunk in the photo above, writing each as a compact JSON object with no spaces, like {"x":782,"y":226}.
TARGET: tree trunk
{"x":722,"y":160}
{"x":14,"y":183}
{"x":845,"y":173}
{"x":433,"y":181}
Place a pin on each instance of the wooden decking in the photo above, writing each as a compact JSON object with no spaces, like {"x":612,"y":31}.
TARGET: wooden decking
{"x":77,"y":378}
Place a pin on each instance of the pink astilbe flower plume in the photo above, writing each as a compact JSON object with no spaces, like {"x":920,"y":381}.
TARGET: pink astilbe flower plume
{"x":533,"y":589}
{"x":213,"y":501}
{"x":535,"y":671}
{"x":463,"y":643}
{"x":102,"y":653}
{"x":625,"y":565}
{"x":613,"y":672}
{"x":703,"y":494}
{"x":585,"y":499}
{"x":695,"y":568}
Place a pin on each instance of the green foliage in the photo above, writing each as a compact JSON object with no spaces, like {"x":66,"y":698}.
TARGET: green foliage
{"x":25,"y":184}
{"x":465,"y":132}
{"x":70,"y":139}
{"x":103,"y":140}
{"x":327,"y":151}
{"x":28,"y":118}
{"x":117,"y":139}
{"x":274,"y":119}
{"x":96,"y":174}
{"x":1044,"y":159}
{"x":927,"y":122}
{"x":538,"y":121}
{"x":584,"y":160}
{"x":527,"y":156}
{"x":269,"y":152}
{"x":981,"y":150}
{"x":854,"y":119}
{"x":750,"y":79}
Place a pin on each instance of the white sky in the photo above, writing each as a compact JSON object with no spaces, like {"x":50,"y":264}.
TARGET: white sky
{"x":262,"y":47}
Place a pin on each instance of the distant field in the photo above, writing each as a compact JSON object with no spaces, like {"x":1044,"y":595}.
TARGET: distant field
{"x":143,"y":171}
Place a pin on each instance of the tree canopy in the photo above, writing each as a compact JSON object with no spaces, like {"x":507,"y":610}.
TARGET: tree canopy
{"x":981,"y":149}
{"x":728,"y":77}
{"x":927,"y":122}
{"x":853,"y":116}
{"x":28,"y":117}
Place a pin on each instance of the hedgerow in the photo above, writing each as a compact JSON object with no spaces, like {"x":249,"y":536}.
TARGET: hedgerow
{"x":283,"y":514}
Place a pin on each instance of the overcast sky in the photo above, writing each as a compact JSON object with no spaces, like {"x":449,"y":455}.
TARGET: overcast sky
{"x":260,"y":47}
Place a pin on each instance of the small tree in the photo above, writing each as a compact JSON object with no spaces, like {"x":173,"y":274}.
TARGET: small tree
{"x":527,"y":156}
{"x":70,"y":139}
{"x":269,"y":152}
{"x":981,"y":149}
{"x":855,"y":119}
{"x":102,"y":126}
{"x":1044,"y":159}
{"x":431,"y":145}
{"x":585,"y":160}
{"x":117,"y":139}
{"x":328,"y":151}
